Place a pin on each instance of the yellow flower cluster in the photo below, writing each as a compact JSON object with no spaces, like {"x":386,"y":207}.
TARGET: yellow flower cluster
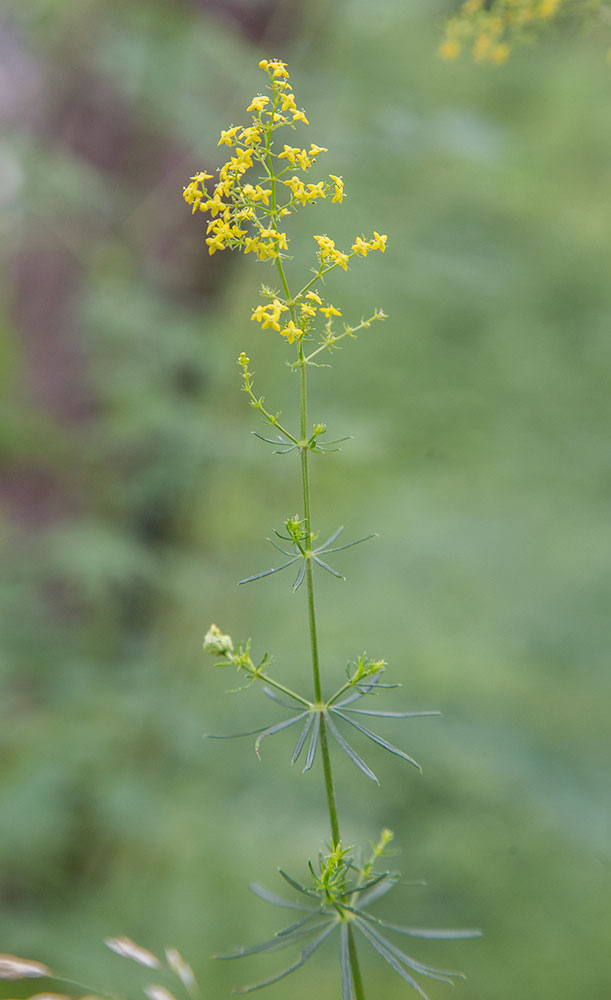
{"x":328,"y":253}
{"x":233,"y":202}
{"x":310,"y":302}
{"x":248,"y":212}
{"x":490,"y":30}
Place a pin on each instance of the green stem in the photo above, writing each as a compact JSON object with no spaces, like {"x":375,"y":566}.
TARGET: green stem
{"x":307,"y":515}
{"x":357,"y":982}
{"x":258,"y":675}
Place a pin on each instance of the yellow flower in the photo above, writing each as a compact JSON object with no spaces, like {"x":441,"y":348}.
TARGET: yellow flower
{"x":500,"y":53}
{"x":291,"y":332}
{"x":215,"y":243}
{"x":340,"y":258}
{"x":279,"y":69}
{"x":360,"y":246}
{"x":258,"y":103}
{"x":290,"y":153}
{"x":214,"y":205}
{"x":299,"y":116}
{"x":316,"y":191}
{"x":378,"y":242}
{"x":288,"y":101}
{"x":325,"y":244}
{"x":548,"y":8}
{"x":330,"y":311}
{"x":192,"y":195}
{"x":449,"y":49}
{"x":250,"y":136}
{"x":307,"y":309}
{"x":303,"y":159}
{"x":297,"y":189}
{"x":481,"y":47}
{"x":273,"y":234}
{"x":269,"y":315}
{"x":228,"y":135}
{"x":315,"y":150}
{"x":314,"y":296}
{"x":339,"y":188}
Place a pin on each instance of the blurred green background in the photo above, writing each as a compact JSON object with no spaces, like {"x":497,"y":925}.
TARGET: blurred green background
{"x":133,"y":496}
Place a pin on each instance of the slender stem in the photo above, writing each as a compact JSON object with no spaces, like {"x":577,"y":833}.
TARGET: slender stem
{"x":307,"y":515}
{"x":359,"y":992}
{"x":258,"y":675}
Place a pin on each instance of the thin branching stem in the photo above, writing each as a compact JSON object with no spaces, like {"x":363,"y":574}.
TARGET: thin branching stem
{"x":307,"y":516}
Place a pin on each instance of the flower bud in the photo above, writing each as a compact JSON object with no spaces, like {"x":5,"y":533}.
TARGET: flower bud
{"x":216,"y":643}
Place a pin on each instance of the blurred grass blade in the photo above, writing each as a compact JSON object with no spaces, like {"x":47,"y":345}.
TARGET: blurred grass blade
{"x":12,"y":967}
{"x":128,"y":949}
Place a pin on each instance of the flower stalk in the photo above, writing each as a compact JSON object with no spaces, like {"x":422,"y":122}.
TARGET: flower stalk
{"x":250,"y":216}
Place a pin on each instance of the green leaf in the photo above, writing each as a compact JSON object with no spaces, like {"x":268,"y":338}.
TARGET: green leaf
{"x":377,"y":739}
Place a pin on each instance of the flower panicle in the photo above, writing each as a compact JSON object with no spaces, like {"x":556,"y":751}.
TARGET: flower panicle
{"x":247,"y":211}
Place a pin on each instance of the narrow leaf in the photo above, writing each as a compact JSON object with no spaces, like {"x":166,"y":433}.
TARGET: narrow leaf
{"x":328,"y":568}
{"x":305,"y":954}
{"x":441,"y":975}
{"x":233,"y":736}
{"x":268,"y":572}
{"x":389,"y":715}
{"x":302,"y":738}
{"x":298,"y":924}
{"x":313,"y":743}
{"x":275,"y":943}
{"x":279,"y":549}
{"x":331,"y":539}
{"x":379,"y":891}
{"x":271,"y":897}
{"x":354,"y":757}
{"x":392,"y":961}
{"x":426,"y":932}
{"x":344,"y":961}
{"x":367,"y":885}
{"x":300,"y":576}
{"x":377,"y":739}
{"x":277,"y":728}
{"x":277,"y":440}
{"x":276,"y":697}
{"x":291,"y":881}
{"x":348,"y":545}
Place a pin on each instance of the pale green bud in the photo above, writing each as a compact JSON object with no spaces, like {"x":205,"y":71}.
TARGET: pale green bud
{"x":216,"y":643}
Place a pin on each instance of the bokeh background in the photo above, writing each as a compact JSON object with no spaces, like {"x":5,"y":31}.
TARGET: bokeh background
{"x":133,"y":496}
